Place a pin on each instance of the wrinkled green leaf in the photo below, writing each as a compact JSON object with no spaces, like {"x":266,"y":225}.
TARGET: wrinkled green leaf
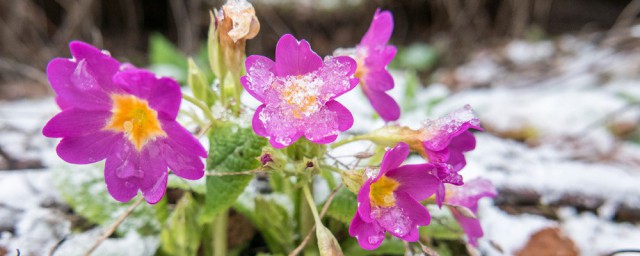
{"x":232,"y":149}
{"x":181,"y":233}
{"x":83,"y":188}
{"x":343,"y":207}
{"x":442,"y":226}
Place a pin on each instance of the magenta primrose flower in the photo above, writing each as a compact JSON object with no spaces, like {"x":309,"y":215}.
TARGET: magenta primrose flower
{"x":390,"y":200}
{"x":468,"y":196}
{"x":373,"y":55}
{"x":125,"y":115}
{"x":297,"y":92}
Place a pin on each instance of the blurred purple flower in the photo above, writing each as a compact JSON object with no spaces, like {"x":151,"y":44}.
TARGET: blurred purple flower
{"x":468,"y":196}
{"x":390,"y":200}
{"x":373,"y":55}
{"x":125,"y":115}
{"x":298,"y":92}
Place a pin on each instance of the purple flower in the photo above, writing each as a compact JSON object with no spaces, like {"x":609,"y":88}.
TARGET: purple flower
{"x":125,"y":115}
{"x":468,"y":196}
{"x":373,"y":55}
{"x":390,"y":200}
{"x":298,"y":92}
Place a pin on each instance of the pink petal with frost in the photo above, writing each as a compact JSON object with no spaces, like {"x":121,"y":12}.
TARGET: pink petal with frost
{"x":75,"y":122}
{"x":180,"y":150}
{"x":260,"y":76}
{"x":369,"y":234}
{"x":282,"y":128}
{"x":380,"y":30}
{"x":323,"y":127}
{"x":337,"y":76}
{"x":415,"y":180}
{"x":295,"y":58}
{"x":88,"y":148}
{"x":256,"y":123}
{"x":386,"y":106}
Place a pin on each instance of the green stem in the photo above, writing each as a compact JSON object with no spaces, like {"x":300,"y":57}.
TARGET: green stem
{"x":306,"y":221}
{"x":220,"y":233}
{"x":312,"y":204}
{"x":200,"y":105}
{"x":332,"y":168}
{"x":349,"y":140}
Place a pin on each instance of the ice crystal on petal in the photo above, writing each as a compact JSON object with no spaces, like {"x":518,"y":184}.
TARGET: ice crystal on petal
{"x":447,"y":124}
{"x":371,"y":172}
{"x":393,"y":219}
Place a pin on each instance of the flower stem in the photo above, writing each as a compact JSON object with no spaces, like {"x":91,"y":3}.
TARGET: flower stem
{"x":205,"y":109}
{"x":220,"y":233}
{"x":349,"y":140}
{"x":312,"y":204}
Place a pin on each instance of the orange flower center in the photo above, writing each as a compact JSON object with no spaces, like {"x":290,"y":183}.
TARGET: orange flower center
{"x":135,"y":118}
{"x":300,"y":92}
{"x":381,"y":193}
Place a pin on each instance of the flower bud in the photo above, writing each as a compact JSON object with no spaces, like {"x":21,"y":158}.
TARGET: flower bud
{"x":327,"y":244}
{"x":353,"y":180}
{"x":235,"y":23}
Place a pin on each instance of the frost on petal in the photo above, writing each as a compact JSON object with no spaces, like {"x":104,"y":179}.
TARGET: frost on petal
{"x":336,"y":76}
{"x":322,"y":127}
{"x":281,"y":127}
{"x":439,"y":133}
{"x":369,"y":234}
{"x":260,"y":76}
{"x":392,"y":219}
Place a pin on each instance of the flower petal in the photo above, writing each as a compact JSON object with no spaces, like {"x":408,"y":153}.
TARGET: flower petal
{"x":256,"y":123}
{"x":295,"y":58}
{"x":471,"y":227}
{"x":416,"y":212}
{"x":415,"y":180}
{"x":468,"y":196}
{"x":380,"y":30}
{"x":75,"y":85}
{"x":337,"y":77}
{"x":120,"y":189}
{"x":260,"y":76}
{"x":323,"y":126}
{"x":369,"y":235}
{"x":100,"y":63}
{"x":364,"y":202}
{"x":393,"y":158}
{"x":75,"y":122}
{"x":154,"y":181}
{"x":182,"y":152}
{"x":162,"y":94}
{"x":88,"y":148}
{"x":460,"y":144}
{"x":282,"y":128}
{"x":379,"y":80}
{"x":386,"y":106}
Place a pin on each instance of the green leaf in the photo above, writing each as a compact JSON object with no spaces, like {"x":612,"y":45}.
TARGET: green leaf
{"x":162,"y":51}
{"x":166,"y":59}
{"x":344,"y":206}
{"x":181,"y":233}
{"x":410,"y":90}
{"x":417,"y":57}
{"x":232,"y":149}
{"x":442,"y":226}
{"x":83,"y":188}
{"x":197,"y":186}
{"x":275,"y":223}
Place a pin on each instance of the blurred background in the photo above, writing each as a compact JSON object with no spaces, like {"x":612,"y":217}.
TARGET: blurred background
{"x":556,"y":85}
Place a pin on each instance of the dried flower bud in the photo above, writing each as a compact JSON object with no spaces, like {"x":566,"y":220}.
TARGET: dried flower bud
{"x":353,"y":180}
{"x":241,"y":15}
{"x":265,"y":159}
{"x":327,"y":244}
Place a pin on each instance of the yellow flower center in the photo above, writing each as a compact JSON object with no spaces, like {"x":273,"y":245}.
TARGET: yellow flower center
{"x":135,"y":118}
{"x":301,"y":92}
{"x":381,"y":193}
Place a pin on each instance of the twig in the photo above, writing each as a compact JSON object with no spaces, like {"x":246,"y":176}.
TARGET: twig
{"x":623,"y":251}
{"x":55,"y":248}
{"x":338,"y":161}
{"x":234,"y":173}
{"x":324,"y":210}
{"x":114,"y":226}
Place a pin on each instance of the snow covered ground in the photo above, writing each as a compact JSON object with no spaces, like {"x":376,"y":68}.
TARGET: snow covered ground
{"x":553,"y":112}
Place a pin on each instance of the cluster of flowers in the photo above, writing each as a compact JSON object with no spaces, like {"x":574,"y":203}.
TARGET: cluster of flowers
{"x":127,"y":116}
